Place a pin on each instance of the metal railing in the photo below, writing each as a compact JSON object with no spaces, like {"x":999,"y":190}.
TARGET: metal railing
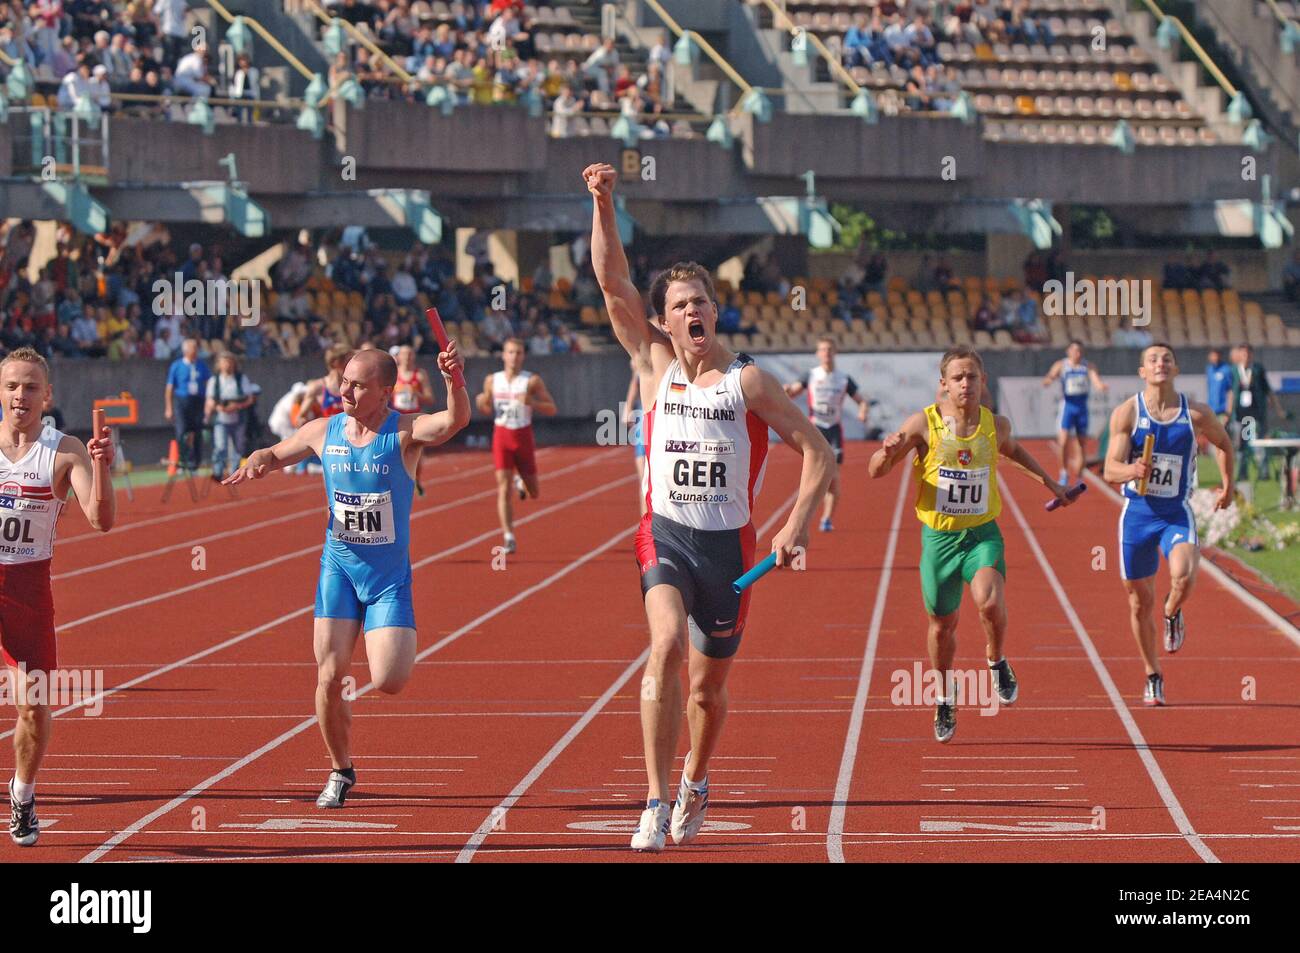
{"x":265,"y":34}
{"x":1194,"y":45}
{"x":312,"y":7}
{"x":1282,"y":19}
{"x":832,"y":61}
{"x":718,"y":61}
{"x":75,"y":146}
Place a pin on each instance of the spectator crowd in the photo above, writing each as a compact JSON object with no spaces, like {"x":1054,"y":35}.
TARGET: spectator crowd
{"x":97,"y":298}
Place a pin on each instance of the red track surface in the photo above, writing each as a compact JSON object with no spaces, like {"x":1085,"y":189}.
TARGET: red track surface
{"x":520,"y":722}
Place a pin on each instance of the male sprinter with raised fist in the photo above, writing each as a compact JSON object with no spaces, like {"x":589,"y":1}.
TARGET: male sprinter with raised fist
{"x":705,"y":428}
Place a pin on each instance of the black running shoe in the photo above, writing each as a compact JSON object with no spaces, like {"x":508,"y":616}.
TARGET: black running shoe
{"x":1154,"y":694}
{"x":336,"y":790}
{"x":419,"y":489}
{"x":1004,"y":681}
{"x":24,"y":827}
{"x":945,"y":722}
{"x":1175,"y":631}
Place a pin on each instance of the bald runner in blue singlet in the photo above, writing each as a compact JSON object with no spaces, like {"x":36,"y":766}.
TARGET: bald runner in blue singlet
{"x":365,"y":567}
{"x":369,"y":453}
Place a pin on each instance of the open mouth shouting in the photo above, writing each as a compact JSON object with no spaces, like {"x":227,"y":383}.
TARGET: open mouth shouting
{"x":695,"y":328}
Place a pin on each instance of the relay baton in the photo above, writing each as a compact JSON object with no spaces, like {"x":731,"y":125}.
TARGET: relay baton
{"x":1071,"y":493}
{"x":1148,"y":448}
{"x":754,"y":575}
{"x":435,"y":322}
{"x":97,"y":466}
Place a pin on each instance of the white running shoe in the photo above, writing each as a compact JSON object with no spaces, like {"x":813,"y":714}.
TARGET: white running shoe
{"x":653,"y":829}
{"x":521,"y":487}
{"x":689,"y":811}
{"x":335,"y":791}
{"x":510,"y":545}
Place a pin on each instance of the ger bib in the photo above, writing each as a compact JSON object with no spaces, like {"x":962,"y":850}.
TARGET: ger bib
{"x":1076,"y":385}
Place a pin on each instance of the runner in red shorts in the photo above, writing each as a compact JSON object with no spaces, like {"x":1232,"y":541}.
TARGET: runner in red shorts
{"x":37,"y":466}
{"x":511,"y":396}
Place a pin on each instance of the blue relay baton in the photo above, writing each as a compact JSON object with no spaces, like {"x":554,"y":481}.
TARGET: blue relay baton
{"x":755,"y":574}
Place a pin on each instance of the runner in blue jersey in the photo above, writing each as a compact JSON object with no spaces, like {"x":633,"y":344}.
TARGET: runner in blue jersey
{"x":369,"y":454}
{"x":1077,"y":378}
{"x":1160,"y":520}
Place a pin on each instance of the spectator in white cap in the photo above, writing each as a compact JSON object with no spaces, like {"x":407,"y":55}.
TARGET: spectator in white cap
{"x":99,"y":90}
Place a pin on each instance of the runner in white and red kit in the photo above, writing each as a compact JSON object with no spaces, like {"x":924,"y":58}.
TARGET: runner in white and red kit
{"x":411,"y":394}
{"x":38,"y":465}
{"x":826,"y":388}
{"x":511,"y":397}
{"x":705,"y":427}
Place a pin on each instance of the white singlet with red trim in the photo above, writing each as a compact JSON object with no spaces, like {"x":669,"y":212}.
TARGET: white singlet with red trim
{"x":508,"y":400}
{"x":28,"y":509}
{"x":407,"y":392}
{"x":706,"y":451}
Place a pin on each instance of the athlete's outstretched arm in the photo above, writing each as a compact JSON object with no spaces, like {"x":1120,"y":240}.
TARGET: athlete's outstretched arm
{"x":78,"y":457}
{"x":623,"y":301}
{"x":442,"y":426}
{"x":293,"y":449}
{"x":1010,"y":448}
{"x":794,"y":388}
{"x":911,"y":436}
{"x":864,"y":405}
{"x":483,"y":399}
{"x":766,"y":398}
{"x":1052,"y":375}
{"x":1117,"y":468}
{"x":1095,"y":376}
{"x":539,"y":398}
{"x":1207,"y":424}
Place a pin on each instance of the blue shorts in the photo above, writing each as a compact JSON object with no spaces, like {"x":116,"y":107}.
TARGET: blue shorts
{"x":1074,"y":418}
{"x":1145,"y":533}
{"x":339,"y":596}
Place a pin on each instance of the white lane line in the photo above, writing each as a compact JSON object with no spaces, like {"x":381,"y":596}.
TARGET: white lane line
{"x":319,"y":510}
{"x":493,"y":820}
{"x":839,"y":807}
{"x":306,"y":723}
{"x":1263,"y":609}
{"x":285,"y":557}
{"x":288,"y":616}
{"x":1140,"y":745}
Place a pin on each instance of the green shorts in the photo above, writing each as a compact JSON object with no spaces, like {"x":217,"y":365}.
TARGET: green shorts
{"x":949,"y":559}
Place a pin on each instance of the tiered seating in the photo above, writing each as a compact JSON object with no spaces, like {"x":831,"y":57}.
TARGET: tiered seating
{"x":906,"y":319}
{"x":1068,"y":93}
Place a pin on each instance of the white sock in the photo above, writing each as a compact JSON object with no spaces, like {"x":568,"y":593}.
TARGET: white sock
{"x":998,"y":662}
{"x":23,"y":792}
{"x":695,"y":785}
